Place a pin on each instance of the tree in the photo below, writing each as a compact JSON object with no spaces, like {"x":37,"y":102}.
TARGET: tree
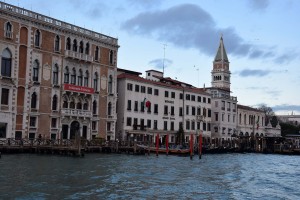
{"x":269,"y":115}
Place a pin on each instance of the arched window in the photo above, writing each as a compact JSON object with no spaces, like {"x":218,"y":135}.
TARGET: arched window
{"x":87,"y":48}
{"x":56,"y":43}
{"x":72,"y":105}
{"x":6,"y":63}
{"x":86,"y":79}
{"x":109,"y":109}
{"x":245,"y":120}
{"x":33,"y":100}
{"x":85,"y":106}
{"x":75,"y":45}
{"x":35,"y":74}
{"x":94,"y":107}
{"x":66,"y":75}
{"x":111,"y":57}
{"x":65,"y":104}
{"x":97,"y":53}
{"x":79,"y":106}
{"x":8,"y":30}
{"x":79,"y":77}
{"x":68,"y":45}
{"x":81,"y":47}
{"x":55,"y":75}
{"x":96,"y":81}
{"x":73,"y":77}
{"x":37,"y":38}
{"x":54,"y":102}
{"x":110,"y":84}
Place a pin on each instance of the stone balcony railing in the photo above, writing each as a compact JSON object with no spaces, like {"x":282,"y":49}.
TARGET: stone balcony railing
{"x":76,"y":112}
{"x":79,"y":56}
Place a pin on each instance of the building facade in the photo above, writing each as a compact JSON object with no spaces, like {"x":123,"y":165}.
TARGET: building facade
{"x":154,"y":104}
{"x":57,"y":79}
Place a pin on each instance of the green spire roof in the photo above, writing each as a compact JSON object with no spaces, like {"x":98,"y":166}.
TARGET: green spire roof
{"x":221,"y":54}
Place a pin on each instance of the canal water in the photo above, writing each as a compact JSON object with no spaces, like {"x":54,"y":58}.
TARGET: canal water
{"x":114,"y":176}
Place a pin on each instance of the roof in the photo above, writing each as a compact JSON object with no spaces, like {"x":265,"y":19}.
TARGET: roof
{"x":249,"y":108}
{"x":162,"y":84}
{"x":152,"y":70}
{"x":129,"y":72}
{"x":221,"y":53}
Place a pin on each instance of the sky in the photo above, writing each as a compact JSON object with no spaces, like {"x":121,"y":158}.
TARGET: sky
{"x":181,"y":37}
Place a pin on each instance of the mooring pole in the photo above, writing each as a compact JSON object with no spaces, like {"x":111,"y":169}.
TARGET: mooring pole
{"x":200,"y":146}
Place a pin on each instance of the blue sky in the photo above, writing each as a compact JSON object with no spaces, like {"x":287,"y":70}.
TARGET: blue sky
{"x":261,"y":37}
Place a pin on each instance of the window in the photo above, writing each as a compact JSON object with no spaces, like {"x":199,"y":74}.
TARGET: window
{"x":87,"y":49}
{"x":137,"y":88}
{"x":111,"y":57}
{"x":75,"y":45}
{"x":172,"y":110}
{"x":209,"y":113}
{"x":165,"y":110}
{"x":208,"y":127}
{"x":208,"y":100}
{"x":216,"y":117}
{"x":204,"y":99}
{"x":66,"y":75}
{"x":142,"y":106}
{"x":8,"y":30}
{"x":193,"y":125}
{"x":172,"y":126}
{"x":55,"y":75}
{"x":128,"y":104}
{"x":109,"y":108}
{"x":6,"y":63}
{"x":110,"y":84}
{"x":4,"y":96}
{"x":79,"y":78}
{"x":136,"y":104}
{"x":155,"y":125}
{"x":199,"y":98}
{"x":68,"y":45}
{"x":97,"y":53}
{"x":32,"y":122}
{"x":204,"y":126}
{"x":199,"y":111}
{"x":54,"y":102}
{"x":129,"y":86}
{"x":187,"y":125}
{"x":173,"y":95}
{"x":95,"y":81}
{"x":33,"y":100}
{"x":204,"y":112}
{"x":156,"y":108}
{"x":187,"y":97}
{"x":156,"y":92}
{"x":187,"y":110}
{"x":228,"y":118}
{"x":79,"y":106}
{"x":228,"y":106}
{"x":85,"y":106}
{"x":56,"y":43}
{"x":149,"y":90}
{"x":128,"y":121}
{"x":37,"y":38}
{"x":198,"y":125}
{"x":165,"y":125}
{"x":222,"y":117}
{"x":143,"y":89}
{"x":149,"y":109}
{"x":149,"y":123}
{"x":142,"y":124}
{"x":180,"y":96}
{"x":94,"y":125}
{"x":135,"y":122}
{"x":73,"y":77}
{"x":53,"y":122}
{"x":86,"y":79}
{"x":193,"y":110}
{"x":166,"y":93}
{"x":81,"y":47}
{"x":180,"y":111}
{"x":193,"y":97}
{"x":35,"y":76}
{"x":94,"y":107}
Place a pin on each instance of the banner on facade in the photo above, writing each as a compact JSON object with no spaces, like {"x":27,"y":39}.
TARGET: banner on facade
{"x":76,"y":88}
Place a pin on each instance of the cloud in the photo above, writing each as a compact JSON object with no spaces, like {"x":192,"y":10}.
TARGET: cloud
{"x":145,"y":3}
{"x":259,"y":5}
{"x":189,"y":26}
{"x":254,"y":72}
{"x":92,"y":9}
{"x":159,"y":63}
{"x":286,"y":107}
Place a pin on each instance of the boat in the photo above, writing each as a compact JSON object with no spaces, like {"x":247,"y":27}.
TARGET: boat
{"x":161,"y":150}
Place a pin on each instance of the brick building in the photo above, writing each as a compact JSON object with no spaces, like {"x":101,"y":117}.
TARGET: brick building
{"x":56,"y":79}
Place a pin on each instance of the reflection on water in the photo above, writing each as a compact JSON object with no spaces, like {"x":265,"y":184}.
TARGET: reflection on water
{"x":103,"y":176}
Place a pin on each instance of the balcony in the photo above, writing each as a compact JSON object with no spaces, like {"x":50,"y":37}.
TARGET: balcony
{"x":8,"y":34}
{"x":79,"y":56}
{"x":75,"y":112}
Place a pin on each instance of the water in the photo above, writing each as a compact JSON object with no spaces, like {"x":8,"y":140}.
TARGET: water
{"x":113,"y":176}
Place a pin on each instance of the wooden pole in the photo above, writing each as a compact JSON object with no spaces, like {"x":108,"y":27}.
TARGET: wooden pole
{"x":167,"y":144}
{"x":191,"y":147}
{"x":200,"y":146}
{"x":157,"y":143}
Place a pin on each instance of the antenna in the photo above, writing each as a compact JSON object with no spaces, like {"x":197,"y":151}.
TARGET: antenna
{"x":164,"y":58}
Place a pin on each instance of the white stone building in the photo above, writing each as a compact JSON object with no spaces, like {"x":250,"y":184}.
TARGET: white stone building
{"x":154,"y":104}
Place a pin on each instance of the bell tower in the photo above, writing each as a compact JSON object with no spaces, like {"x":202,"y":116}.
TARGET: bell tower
{"x":220,"y":75}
